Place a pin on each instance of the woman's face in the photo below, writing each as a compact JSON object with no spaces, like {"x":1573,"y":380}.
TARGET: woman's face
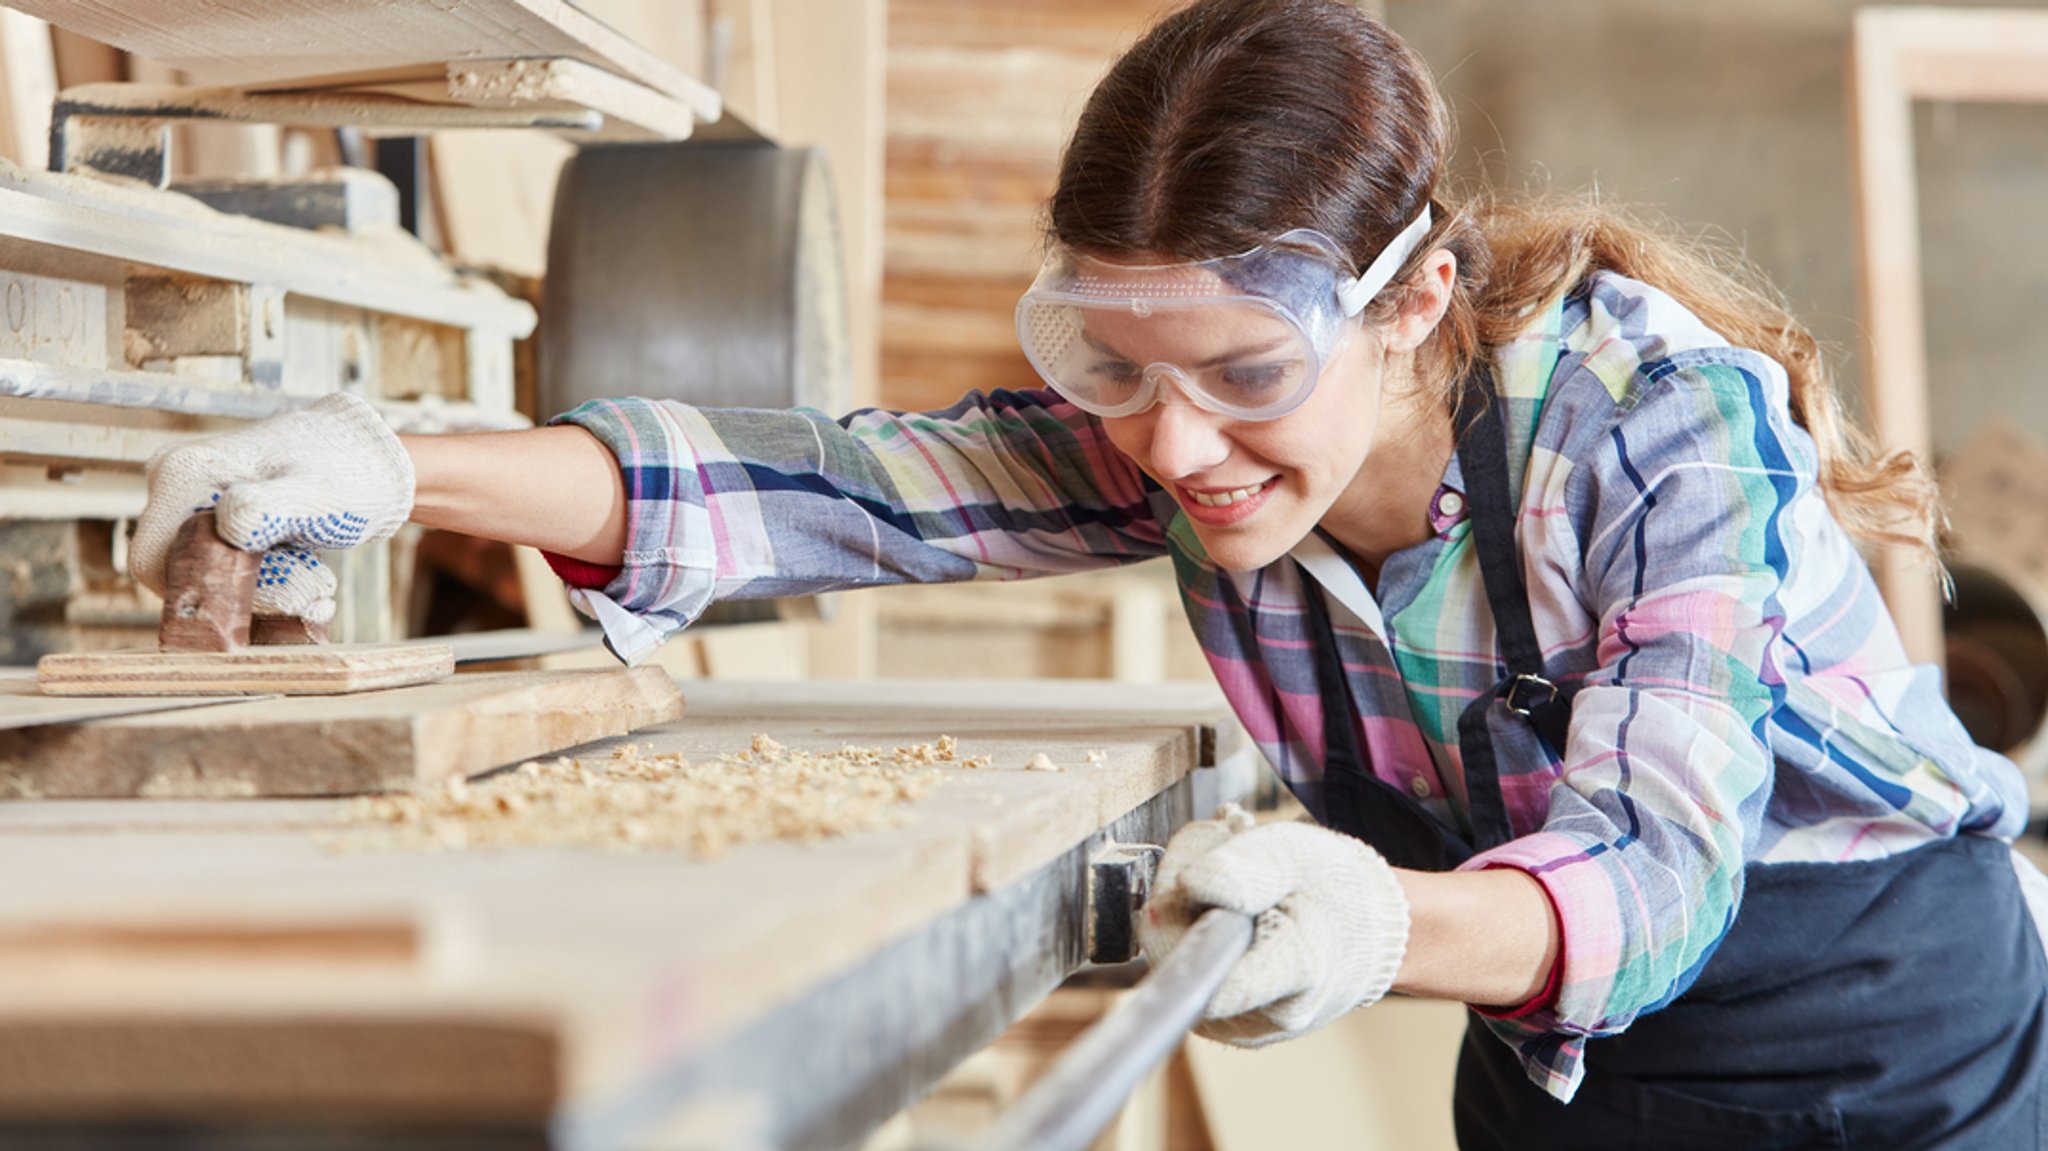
{"x":1252,"y":490}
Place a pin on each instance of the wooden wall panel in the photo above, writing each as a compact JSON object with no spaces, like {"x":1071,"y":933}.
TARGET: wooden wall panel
{"x":981,"y":96}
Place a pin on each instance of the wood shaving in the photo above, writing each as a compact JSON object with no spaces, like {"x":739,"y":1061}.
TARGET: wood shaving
{"x":1041,"y":762}
{"x":635,"y":801}
{"x":1097,"y":755}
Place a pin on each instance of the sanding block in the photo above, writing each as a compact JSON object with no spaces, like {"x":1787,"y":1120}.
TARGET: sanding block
{"x":210,"y":643}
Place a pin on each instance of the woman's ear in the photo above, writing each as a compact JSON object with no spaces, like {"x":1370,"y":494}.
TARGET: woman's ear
{"x":1423,"y":304}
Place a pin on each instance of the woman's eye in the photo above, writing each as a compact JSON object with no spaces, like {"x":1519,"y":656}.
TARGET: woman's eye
{"x":1115,"y":373}
{"x":1259,"y":377}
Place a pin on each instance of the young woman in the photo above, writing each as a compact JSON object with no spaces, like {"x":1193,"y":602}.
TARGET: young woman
{"x":1520,"y":539}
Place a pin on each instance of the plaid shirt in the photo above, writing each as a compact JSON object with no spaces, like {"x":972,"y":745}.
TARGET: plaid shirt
{"x":1743,"y":696}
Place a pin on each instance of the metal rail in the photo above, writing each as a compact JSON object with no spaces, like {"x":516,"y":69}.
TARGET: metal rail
{"x":1067,"y":1108}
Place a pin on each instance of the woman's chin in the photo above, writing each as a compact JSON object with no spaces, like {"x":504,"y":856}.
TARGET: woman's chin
{"x":1237,"y":551}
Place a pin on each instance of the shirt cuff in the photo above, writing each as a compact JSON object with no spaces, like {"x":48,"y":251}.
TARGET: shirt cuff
{"x":669,"y":571}
{"x":1589,"y":926}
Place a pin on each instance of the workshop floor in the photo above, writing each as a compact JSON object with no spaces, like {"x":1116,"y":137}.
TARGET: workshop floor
{"x":1375,"y":1080}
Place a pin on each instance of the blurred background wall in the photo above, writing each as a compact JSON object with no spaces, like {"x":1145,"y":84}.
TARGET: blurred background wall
{"x":1729,"y":117}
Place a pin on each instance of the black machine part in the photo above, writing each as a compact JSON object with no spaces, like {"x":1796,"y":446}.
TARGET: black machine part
{"x":702,"y":271}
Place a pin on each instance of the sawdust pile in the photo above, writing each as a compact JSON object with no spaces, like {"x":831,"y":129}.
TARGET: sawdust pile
{"x":640,"y":802}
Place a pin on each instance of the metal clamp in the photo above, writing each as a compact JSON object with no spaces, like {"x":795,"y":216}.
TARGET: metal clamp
{"x":1119,"y":883}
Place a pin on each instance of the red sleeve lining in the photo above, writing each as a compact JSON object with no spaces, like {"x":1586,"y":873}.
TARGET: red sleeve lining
{"x":580,"y":573}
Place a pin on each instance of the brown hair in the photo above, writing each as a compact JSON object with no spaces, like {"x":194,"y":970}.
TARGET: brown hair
{"x":1233,"y":121}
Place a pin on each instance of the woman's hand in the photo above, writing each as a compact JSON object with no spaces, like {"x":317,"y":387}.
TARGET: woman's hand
{"x":331,"y":475}
{"x":1331,"y":921}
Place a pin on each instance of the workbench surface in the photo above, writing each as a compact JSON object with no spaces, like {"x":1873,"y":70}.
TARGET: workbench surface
{"x":222,"y":962}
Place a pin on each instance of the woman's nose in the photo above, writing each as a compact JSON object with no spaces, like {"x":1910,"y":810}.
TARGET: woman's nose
{"x":1186,"y":441}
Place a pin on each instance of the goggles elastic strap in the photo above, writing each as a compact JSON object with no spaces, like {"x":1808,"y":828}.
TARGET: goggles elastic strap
{"x":1356,"y":294}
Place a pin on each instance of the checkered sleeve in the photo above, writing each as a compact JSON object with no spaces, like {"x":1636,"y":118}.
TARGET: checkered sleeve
{"x":746,"y":503}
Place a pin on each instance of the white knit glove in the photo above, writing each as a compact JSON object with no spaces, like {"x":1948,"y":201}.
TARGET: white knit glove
{"x":1331,"y":921}
{"x":331,"y":475}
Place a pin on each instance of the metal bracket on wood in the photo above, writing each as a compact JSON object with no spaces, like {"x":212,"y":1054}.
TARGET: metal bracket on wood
{"x":1119,"y":883}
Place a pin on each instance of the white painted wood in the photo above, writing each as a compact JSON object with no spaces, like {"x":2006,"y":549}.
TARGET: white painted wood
{"x":37,"y":493}
{"x":394,"y":275}
{"x":28,"y":84}
{"x":295,"y":40}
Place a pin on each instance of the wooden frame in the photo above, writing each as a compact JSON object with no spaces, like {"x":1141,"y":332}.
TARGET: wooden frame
{"x":1896,"y":56}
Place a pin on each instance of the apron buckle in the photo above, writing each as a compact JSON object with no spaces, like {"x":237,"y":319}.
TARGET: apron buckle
{"x":1523,"y":704}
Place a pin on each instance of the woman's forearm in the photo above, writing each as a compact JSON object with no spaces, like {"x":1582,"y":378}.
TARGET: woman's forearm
{"x":554,"y":488}
{"x":1488,"y":938}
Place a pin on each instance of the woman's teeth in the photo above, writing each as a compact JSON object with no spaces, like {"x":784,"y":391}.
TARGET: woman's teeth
{"x":1225,"y":499}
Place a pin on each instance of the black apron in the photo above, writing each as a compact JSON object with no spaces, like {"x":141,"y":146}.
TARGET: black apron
{"x":1888,"y":1003}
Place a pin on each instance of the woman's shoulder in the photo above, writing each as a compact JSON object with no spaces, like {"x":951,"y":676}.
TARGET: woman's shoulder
{"x":1613,"y":344}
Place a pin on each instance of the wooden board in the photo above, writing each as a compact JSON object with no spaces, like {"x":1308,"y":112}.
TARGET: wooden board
{"x":289,"y":40}
{"x":311,"y":669}
{"x":632,"y":964}
{"x":23,"y":704}
{"x":392,"y":740}
{"x":398,"y":276}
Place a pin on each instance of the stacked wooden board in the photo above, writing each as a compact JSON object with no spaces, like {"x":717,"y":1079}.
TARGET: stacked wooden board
{"x":391,"y":740}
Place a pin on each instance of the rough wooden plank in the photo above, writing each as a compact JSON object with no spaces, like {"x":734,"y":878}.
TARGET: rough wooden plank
{"x":375,"y":741}
{"x":333,"y":669}
{"x":23,"y":704}
{"x":636,"y":964}
{"x":295,"y":40}
{"x":630,"y":110}
{"x":171,"y":316}
{"x":221,"y":1070}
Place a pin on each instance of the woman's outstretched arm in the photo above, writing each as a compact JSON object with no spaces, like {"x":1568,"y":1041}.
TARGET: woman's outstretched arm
{"x":555,"y":488}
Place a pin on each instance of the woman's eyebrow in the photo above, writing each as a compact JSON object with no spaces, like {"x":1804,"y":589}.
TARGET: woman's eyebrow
{"x":1214,"y":361}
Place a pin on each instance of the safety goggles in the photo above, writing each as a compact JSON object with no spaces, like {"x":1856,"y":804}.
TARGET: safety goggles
{"x":1243,"y":336}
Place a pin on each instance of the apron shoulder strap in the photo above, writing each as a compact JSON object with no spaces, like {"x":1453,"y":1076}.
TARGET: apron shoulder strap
{"x":1526,"y":691}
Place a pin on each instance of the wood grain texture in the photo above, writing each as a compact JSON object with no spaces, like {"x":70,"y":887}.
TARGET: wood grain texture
{"x":23,"y":704}
{"x":292,"y":40}
{"x":326,"y":669}
{"x":375,"y":741}
{"x":980,"y":96}
{"x":633,"y":961}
